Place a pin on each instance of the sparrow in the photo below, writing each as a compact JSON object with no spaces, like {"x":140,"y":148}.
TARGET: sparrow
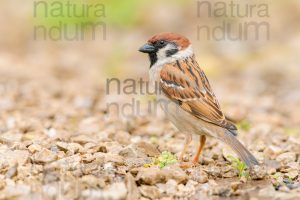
{"x":184,"y":92}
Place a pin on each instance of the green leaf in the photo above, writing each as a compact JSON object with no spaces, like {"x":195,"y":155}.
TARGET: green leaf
{"x":163,"y":160}
{"x":239,"y":165}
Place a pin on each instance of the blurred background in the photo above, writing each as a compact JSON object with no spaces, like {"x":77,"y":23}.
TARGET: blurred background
{"x":54,"y":71}
{"x":261,"y":73}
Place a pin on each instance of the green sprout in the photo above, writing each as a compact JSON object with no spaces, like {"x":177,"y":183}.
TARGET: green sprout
{"x":164,"y":159}
{"x":244,"y":125}
{"x":290,"y":178}
{"x":276,"y":176}
{"x":240,"y":166}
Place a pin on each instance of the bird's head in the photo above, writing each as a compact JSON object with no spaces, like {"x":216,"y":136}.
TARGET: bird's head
{"x":166,"y":45}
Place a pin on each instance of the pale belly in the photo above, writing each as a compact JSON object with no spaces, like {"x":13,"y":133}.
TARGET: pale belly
{"x":184,"y":121}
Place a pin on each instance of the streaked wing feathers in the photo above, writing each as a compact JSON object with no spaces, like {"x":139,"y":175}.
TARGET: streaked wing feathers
{"x":185,"y":83}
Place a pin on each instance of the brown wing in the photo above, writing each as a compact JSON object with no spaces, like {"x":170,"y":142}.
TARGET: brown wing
{"x":185,"y":83}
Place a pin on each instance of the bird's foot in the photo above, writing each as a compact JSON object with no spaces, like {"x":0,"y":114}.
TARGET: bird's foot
{"x":190,"y":164}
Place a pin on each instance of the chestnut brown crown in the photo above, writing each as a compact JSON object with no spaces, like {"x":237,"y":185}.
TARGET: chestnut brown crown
{"x":178,"y":39}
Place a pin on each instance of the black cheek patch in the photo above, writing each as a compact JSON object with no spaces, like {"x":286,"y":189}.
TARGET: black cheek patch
{"x":171,"y":52}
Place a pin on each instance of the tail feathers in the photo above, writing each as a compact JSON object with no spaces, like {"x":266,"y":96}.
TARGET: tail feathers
{"x":239,"y":149}
{"x":233,"y":132}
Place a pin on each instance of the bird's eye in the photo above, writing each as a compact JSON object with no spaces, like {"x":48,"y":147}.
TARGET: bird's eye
{"x":162,"y":42}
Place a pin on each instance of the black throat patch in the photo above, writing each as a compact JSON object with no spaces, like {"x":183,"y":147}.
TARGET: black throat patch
{"x":153,"y":58}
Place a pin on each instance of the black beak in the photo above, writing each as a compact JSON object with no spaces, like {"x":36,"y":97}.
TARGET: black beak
{"x":147,"y":48}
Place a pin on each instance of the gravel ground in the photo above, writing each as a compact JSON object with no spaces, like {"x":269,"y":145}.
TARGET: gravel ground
{"x":59,"y":141}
